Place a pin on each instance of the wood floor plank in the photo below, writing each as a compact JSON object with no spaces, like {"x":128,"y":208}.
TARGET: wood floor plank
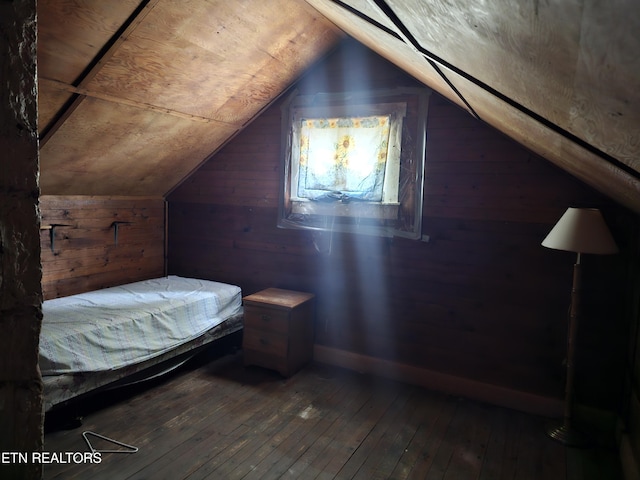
{"x":352,"y":434}
{"x":510,"y":456}
{"x":67,"y":438}
{"x":279,"y":421}
{"x":469,"y":452}
{"x":398,"y":442}
{"x":392,"y":444}
{"x":220,"y":420}
{"x":158,"y":429}
{"x":496,"y":455}
{"x":370,"y":455}
{"x":314,"y":458}
{"x":200,"y":441}
{"x":429,"y":408}
{"x":120,"y":418}
{"x":433,"y":441}
{"x":450,"y":440}
{"x":317,"y":418}
{"x":158,"y":451}
{"x":529,"y":463}
{"x":326,"y":445}
{"x":276,"y":445}
{"x":553,"y":456}
{"x":592,"y":463}
{"x":538,"y":456}
{"x":160,"y":443}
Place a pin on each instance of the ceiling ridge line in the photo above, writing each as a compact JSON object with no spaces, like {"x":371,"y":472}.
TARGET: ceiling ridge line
{"x":429,"y":56}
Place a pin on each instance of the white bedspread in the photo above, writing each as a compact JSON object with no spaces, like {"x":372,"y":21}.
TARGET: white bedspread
{"x":114,"y":327}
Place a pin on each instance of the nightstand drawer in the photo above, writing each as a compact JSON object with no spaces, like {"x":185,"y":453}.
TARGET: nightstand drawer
{"x":266,"y":342}
{"x":266,"y":319}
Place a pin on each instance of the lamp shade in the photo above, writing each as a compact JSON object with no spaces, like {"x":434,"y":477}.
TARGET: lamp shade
{"x":581,"y":230}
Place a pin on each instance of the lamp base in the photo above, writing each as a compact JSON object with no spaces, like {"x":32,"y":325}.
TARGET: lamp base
{"x":566,"y":435}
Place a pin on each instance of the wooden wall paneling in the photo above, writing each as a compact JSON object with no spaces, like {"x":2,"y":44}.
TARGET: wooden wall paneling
{"x":482,"y":299}
{"x":85,"y":255}
{"x":248,"y":245}
{"x":629,"y":427}
{"x":630,"y":447}
{"x":474,"y":172}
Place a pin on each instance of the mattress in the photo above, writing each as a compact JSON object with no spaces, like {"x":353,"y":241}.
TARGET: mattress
{"x":60,"y":389}
{"x":112,"y":328}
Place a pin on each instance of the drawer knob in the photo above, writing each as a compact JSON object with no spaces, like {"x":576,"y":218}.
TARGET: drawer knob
{"x":265,"y":318}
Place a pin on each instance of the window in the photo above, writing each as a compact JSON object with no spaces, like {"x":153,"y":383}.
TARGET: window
{"x":354,"y":165}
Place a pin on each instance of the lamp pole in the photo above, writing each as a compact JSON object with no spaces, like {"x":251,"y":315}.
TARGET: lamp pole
{"x":565,"y":433}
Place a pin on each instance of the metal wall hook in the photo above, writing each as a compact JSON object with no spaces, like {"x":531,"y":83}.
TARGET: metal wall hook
{"x":52,"y":232}
{"x":115,"y":226}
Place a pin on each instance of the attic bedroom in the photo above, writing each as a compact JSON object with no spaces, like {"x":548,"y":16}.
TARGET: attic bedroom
{"x":431,"y":334}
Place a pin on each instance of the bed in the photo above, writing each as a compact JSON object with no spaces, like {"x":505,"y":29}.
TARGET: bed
{"x":123,"y":334}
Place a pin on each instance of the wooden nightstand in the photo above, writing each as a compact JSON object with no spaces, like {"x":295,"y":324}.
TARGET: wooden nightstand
{"x":278,"y":329}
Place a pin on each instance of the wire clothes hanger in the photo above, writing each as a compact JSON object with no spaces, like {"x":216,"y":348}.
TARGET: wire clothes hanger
{"x":128,"y":448}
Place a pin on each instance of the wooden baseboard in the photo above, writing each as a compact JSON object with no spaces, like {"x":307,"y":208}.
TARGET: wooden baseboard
{"x":494,"y":394}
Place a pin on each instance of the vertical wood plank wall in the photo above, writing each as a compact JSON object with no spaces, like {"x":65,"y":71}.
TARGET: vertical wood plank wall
{"x":85,"y":255}
{"x":480,"y":300}
{"x":630,"y":428}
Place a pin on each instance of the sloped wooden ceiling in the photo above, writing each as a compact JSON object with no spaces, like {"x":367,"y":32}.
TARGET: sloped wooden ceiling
{"x":561,"y":77}
{"x":133,"y":95}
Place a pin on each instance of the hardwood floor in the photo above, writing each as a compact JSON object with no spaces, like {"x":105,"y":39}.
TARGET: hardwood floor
{"x":220,"y":420}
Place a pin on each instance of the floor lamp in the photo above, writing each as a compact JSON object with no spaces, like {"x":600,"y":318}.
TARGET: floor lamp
{"x":579,"y":230}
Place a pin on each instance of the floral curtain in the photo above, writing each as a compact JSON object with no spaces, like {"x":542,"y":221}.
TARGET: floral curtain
{"x":343,"y":157}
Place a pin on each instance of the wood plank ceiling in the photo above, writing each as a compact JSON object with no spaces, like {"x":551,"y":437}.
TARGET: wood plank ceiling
{"x":135,"y":95}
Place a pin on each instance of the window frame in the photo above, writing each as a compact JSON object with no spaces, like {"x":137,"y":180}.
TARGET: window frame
{"x":366,"y":217}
